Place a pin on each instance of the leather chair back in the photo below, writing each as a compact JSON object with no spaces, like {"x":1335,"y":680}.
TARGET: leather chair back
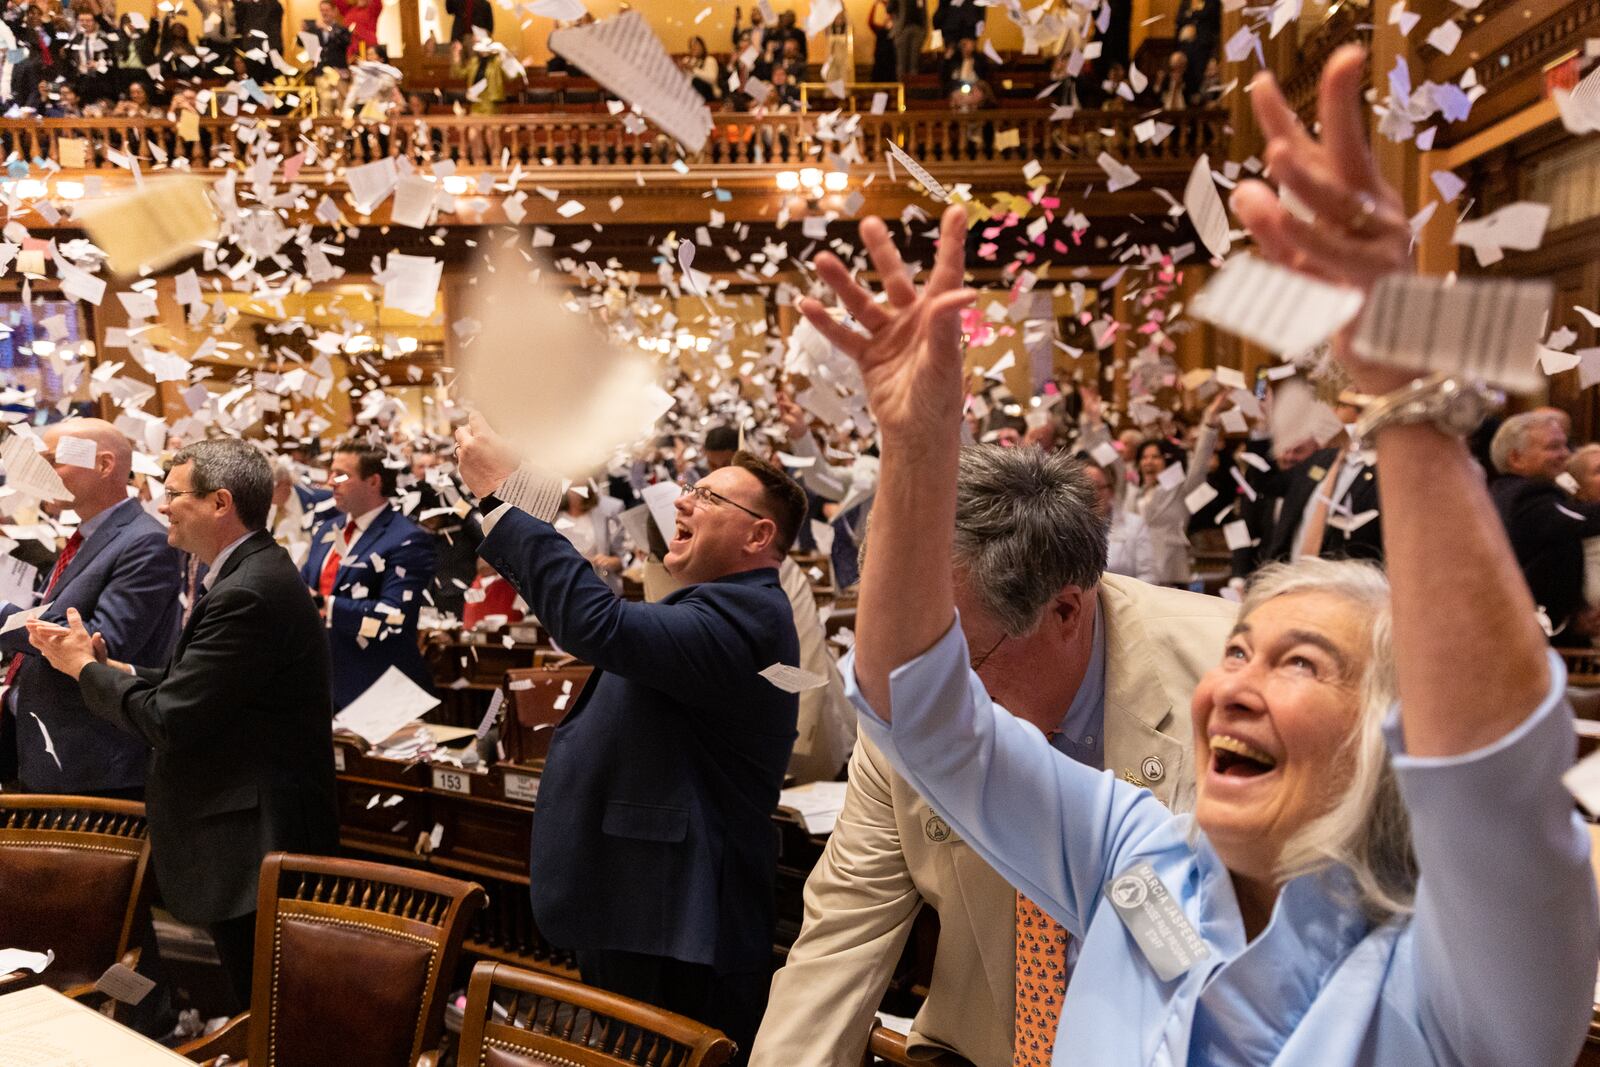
{"x":555,"y":1022}
{"x":537,"y":699}
{"x":353,"y":960}
{"x":74,"y":874}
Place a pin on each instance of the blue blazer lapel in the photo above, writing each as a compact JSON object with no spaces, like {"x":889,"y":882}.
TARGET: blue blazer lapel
{"x":369,"y":539}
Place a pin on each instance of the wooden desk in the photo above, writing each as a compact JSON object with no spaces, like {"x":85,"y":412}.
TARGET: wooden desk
{"x":42,"y":1028}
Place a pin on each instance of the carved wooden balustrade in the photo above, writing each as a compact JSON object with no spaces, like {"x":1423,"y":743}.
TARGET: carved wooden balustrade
{"x":939,"y":140}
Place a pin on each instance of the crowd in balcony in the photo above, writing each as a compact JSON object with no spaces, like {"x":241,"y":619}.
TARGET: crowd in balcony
{"x":80,"y":58}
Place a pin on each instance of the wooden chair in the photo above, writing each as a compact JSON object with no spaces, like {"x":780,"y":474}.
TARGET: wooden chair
{"x":550,"y":1021}
{"x":74,"y":879}
{"x":889,"y":1046}
{"x":353,"y":965}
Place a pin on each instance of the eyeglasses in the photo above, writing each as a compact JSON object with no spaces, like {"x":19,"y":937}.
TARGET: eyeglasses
{"x":706,"y":497}
{"x":189,"y":492}
{"x":981,"y":660}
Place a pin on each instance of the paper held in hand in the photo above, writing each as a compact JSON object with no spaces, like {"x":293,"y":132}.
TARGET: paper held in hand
{"x":565,"y":395}
{"x":1277,"y":308}
{"x":625,"y":55}
{"x":1488,"y":329}
{"x":151,"y":227}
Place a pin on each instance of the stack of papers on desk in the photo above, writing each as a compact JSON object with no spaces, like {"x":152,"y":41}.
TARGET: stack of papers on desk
{"x":817,"y":803}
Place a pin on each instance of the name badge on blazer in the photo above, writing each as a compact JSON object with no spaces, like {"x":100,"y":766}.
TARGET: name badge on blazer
{"x":1159,"y":927}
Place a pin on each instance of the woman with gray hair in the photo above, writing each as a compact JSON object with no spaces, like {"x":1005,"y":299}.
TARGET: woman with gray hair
{"x":1383,"y":866}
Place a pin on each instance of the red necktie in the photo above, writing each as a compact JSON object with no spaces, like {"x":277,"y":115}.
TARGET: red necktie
{"x":68,"y":550}
{"x":330,"y":566}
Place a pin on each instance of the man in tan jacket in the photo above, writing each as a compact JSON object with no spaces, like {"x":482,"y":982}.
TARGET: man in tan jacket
{"x":1116,"y":657}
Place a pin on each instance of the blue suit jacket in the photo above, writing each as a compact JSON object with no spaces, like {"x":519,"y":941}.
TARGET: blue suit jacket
{"x":124,"y":581}
{"x":652,"y":832}
{"x":310,"y":497}
{"x":383,"y":579}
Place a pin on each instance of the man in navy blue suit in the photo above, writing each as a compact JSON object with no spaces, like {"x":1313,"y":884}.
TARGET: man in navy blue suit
{"x":119,"y":573}
{"x":368,"y":568}
{"x":653,"y":853}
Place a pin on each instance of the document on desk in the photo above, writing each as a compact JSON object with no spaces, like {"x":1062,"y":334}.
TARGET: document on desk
{"x":817,"y":803}
{"x":625,"y":55}
{"x":42,"y":1028}
{"x":388,"y":704}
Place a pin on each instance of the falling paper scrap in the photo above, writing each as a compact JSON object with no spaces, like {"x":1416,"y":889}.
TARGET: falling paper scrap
{"x":935,"y":190}
{"x":625,"y":55}
{"x":565,"y":398}
{"x":151,"y":227}
{"x":29,"y":473}
{"x":1204,"y":205}
{"x":1277,"y":308}
{"x":1488,"y":329}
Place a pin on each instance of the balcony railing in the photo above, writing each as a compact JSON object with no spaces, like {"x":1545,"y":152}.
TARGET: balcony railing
{"x":1009,"y":138}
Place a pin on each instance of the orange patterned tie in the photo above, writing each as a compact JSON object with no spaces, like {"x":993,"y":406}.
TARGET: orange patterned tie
{"x":1041,"y":984}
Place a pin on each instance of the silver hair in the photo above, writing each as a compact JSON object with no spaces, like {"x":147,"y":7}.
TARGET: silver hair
{"x":1512,"y":436}
{"x":237,"y":466}
{"x":1026,"y":527}
{"x":1367,"y":831}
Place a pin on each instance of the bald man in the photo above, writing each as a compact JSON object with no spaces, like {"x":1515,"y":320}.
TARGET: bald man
{"x":123,"y":578}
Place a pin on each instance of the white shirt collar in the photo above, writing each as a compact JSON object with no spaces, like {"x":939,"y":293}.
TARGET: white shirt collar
{"x":222,"y":557}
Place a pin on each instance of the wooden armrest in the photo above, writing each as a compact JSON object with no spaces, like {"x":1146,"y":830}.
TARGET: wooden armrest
{"x":79,"y":991}
{"x":233,"y":1040}
{"x":429,"y":1058}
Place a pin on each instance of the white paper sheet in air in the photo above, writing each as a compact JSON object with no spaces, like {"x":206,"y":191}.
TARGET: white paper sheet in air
{"x":1488,"y":329}
{"x":20,"y":959}
{"x":919,"y":172}
{"x":28,"y":473}
{"x":660,"y":498}
{"x":75,"y":451}
{"x":1204,"y":205}
{"x":625,"y":55}
{"x":1277,"y":308}
{"x":793,"y":679}
{"x":153,"y":226}
{"x":16,"y":581}
{"x":388,"y":704}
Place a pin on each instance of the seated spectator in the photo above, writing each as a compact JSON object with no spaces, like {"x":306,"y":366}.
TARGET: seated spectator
{"x":1210,"y":85}
{"x":703,"y":69}
{"x":134,"y":51}
{"x":1169,"y":89}
{"x":785,"y":93}
{"x":964,"y":77}
{"x":792,"y":57}
{"x":1110,"y":98}
{"x":62,"y":102}
{"x":136,"y":103}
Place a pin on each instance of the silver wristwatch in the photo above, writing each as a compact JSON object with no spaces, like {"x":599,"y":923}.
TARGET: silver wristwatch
{"x":1453,"y":405}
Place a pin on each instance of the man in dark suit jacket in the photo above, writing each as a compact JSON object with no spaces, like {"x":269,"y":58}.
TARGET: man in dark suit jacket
{"x":653,"y":854}
{"x":1347,"y":532}
{"x":369,"y":567}
{"x":1546,"y":526}
{"x":118,"y":572}
{"x":239,"y":720}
